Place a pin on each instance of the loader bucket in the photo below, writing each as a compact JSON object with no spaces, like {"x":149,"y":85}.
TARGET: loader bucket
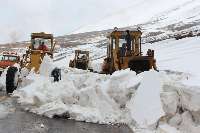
{"x":81,"y":65}
{"x":139,"y":65}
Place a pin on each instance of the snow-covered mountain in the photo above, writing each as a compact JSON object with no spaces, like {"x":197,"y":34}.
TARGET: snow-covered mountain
{"x":164,"y":13}
{"x":159,"y":20}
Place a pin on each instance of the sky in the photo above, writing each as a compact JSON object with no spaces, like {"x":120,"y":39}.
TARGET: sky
{"x":19,"y":18}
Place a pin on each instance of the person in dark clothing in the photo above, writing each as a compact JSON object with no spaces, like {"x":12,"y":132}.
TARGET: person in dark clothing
{"x":43,"y":47}
{"x":123,"y":49}
{"x":56,"y":74}
{"x":128,"y":40}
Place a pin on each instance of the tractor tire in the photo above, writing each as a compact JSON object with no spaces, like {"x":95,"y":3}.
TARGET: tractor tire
{"x":11,"y":79}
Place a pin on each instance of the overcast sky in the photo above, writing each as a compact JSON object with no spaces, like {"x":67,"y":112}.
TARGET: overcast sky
{"x":21,"y":17}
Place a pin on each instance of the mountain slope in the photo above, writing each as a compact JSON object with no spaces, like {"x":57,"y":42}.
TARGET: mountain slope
{"x":144,"y":11}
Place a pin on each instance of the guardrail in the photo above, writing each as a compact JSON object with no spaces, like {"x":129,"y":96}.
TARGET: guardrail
{"x":60,"y":56}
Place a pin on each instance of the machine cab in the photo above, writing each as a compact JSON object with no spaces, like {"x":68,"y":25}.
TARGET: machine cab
{"x":125,"y":43}
{"x":42,"y":41}
{"x":10,"y":56}
{"x":81,"y":55}
{"x":41,"y":44}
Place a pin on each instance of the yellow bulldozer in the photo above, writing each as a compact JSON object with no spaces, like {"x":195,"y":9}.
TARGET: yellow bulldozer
{"x":41,"y":44}
{"x":124,"y":51}
{"x":81,"y":60}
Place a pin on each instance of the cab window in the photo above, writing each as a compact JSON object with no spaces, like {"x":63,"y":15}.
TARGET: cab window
{"x":1,"y":57}
{"x":6,"y":58}
{"x":37,"y":42}
{"x":12,"y":58}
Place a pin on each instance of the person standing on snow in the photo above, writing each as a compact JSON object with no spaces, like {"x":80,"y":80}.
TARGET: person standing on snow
{"x":56,"y":74}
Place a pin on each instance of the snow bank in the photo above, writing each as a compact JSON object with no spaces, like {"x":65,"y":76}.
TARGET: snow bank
{"x":46,"y":66}
{"x":96,"y":65}
{"x":147,"y":102}
{"x":188,"y":125}
{"x":3,"y":80}
{"x":165,"y":128}
{"x":85,"y":96}
{"x":170,"y":101}
{"x":146,"y":106}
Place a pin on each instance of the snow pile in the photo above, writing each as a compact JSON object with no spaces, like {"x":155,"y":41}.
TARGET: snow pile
{"x":96,"y":65}
{"x":90,"y":97}
{"x":188,"y":125}
{"x":170,"y":101}
{"x":46,"y":66}
{"x":149,"y":101}
{"x":165,"y":128}
{"x":146,"y":106}
{"x":3,"y":80}
{"x":180,"y":103}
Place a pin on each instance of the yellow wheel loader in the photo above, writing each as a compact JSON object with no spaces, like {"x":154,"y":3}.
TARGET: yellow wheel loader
{"x":124,"y":51}
{"x":41,"y":44}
